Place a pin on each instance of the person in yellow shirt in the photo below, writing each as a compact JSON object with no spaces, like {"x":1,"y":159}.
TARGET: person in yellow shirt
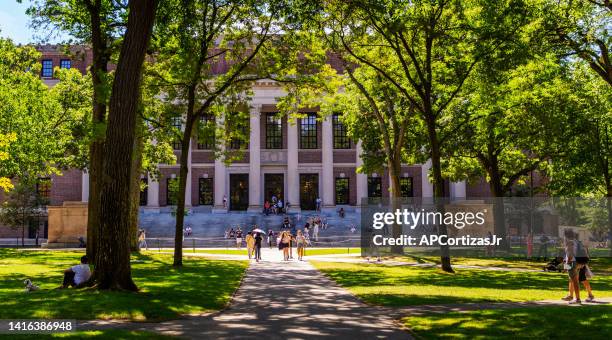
{"x":250,"y":241}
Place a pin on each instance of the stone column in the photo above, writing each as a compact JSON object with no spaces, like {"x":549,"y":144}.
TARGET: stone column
{"x":327,"y":166}
{"x":426,"y":185}
{"x":85,"y":186}
{"x":188,"y":185}
{"x":362,"y":179}
{"x":293,"y":177}
{"x":219,"y":185}
{"x":152,"y":192}
{"x":255,"y":161}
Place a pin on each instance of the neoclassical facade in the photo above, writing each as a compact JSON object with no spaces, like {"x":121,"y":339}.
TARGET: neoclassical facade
{"x":296,"y":161}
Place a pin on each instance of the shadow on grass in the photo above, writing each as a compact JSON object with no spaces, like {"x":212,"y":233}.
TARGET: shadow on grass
{"x":165,"y":292}
{"x":369,"y":275}
{"x":403,"y":285}
{"x":558,"y":322}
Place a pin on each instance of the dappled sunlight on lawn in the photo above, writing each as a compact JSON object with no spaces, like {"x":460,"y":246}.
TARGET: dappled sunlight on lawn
{"x":202,"y":285}
{"x":406,"y":285}
{"x":593,"y":322}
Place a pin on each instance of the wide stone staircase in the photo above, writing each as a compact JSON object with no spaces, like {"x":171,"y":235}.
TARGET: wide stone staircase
{"x":209,"y":228}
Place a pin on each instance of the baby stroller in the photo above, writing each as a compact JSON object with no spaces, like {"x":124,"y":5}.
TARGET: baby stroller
{"x":555,"y":265}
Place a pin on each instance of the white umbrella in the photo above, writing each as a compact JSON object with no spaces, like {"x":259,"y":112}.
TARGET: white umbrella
{"x":258,"y":231}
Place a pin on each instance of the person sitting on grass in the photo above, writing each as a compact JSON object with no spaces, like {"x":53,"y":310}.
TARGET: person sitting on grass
{"x":75,"y":276}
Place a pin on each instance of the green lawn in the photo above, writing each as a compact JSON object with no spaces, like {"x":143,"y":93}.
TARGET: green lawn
{"x":202,"y":285}
{"x":405,"y":285}
{"x":599,"y":264}
{"x":110,"y":334}
{"x":558,"y":322}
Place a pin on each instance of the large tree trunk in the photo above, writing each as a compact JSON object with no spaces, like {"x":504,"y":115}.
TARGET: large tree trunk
{"x":609,"y":207}
{"x":499,"y":214}
{"x":180,"y":200}
{"x":99,"y":69}
{"x":112,"y":266}
{"x":436,"y":168}
{"x":135,"y":188}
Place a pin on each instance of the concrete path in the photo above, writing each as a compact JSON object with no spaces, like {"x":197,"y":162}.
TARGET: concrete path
{"x":281,"y":300}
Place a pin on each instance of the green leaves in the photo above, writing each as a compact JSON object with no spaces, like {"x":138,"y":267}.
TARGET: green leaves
{"x":43,"y":125}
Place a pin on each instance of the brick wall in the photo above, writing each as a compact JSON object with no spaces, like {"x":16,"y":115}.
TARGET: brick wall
{"x":66,"y":188}
{"x":80,"y":59}
{"x":309,"y":156}
{"x":345,"y":156}
{"x":203,"y":156}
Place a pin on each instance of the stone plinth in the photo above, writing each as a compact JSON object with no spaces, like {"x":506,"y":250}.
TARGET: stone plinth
{"x":66,"y":224}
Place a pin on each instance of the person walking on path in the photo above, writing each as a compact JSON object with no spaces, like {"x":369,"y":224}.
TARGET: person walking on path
{"x":257,"y":239}
{"x":250,"y":243}
{"x":270,"y":238}
{"x":283,"y":244}
{"x":572,"y":265}
{"x":584,"y":273}
{"x":142,"y":239}
{"x":315,"y":231}
{"x":238,"y":239}
{"x":301,"y":241}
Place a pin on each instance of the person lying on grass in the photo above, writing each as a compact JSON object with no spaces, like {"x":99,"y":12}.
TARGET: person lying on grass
{"x":75,"y":276}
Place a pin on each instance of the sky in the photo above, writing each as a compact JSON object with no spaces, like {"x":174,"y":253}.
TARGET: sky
{"x":14,"y":23}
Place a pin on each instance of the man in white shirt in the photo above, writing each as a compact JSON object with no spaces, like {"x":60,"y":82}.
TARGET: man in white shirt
{"x":77,"y":275}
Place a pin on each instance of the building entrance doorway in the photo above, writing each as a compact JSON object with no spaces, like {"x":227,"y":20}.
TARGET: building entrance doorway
{"x":274,"y":185}
{"x":309,"y":191}
{"x":239,"y":191}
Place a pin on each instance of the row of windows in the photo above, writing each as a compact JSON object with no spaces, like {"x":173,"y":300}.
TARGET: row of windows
{"x":308,"y":132}
{"x":205,"y":190}
{"x":274,"y":133}
{"x":375,"y":187}
{"x":47,"y":67}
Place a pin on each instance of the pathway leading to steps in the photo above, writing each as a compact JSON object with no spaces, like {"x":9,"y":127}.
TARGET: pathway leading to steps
{"x":281,"y":300}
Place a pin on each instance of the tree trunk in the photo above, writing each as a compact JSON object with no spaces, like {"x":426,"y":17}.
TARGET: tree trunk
{"x":112,"y":266}
{"x":436,"y":168}
{"x":99,"y":68}
{"x":180,"y":200}
{"x":499,"y":214}
{"x":394,"y":174}
{"x":135,"y":188}
{"x":609,"y":207}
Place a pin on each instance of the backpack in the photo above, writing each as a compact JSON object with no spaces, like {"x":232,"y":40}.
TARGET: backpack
{"x":581,"y":254}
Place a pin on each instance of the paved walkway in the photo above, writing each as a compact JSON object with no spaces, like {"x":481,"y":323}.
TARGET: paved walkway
{"x":281,"y":300}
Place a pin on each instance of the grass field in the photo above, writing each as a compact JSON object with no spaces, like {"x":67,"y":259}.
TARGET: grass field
{"x":405,"y":285}
{"x":599,"y":264}
{"x":555,"y":322}
{"x":202,"y":285}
